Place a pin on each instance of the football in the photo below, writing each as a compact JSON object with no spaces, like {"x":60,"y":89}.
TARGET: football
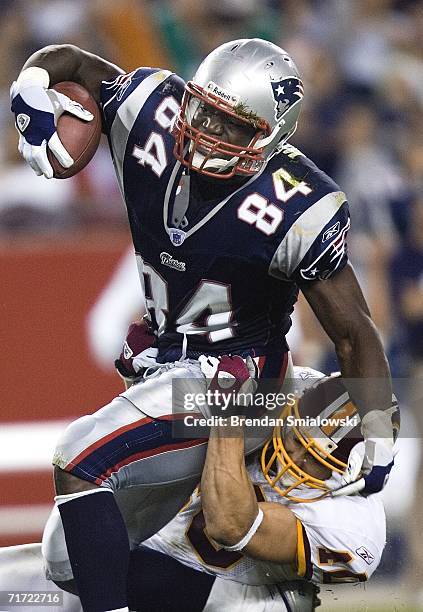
{"x":80,"y":138}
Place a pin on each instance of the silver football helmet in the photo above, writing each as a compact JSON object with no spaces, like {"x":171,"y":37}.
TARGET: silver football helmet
{"x":253,"y":81}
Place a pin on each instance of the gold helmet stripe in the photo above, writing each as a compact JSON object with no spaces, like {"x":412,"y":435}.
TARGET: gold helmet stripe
{"x":347,"y":410}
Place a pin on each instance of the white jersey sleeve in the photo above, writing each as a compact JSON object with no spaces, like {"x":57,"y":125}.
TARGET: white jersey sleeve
{"x":342,"y":539}
{"x":338,"y":540}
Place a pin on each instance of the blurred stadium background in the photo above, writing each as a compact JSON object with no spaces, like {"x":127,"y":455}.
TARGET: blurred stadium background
{"x":68,"y":282}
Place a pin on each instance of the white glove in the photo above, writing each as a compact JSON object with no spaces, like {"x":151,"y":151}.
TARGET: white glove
{"x":371,"y":461}
{"x":350,"y":481}
{"x":37,"y":110}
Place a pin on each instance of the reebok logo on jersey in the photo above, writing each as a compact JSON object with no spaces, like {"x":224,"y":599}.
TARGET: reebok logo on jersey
{"x":223,"y":94}
{"x":328,"y":261}
{"x":166,"y":259}
{"x":127,"y":351}
{"x":365,"y":555}
{"x":22,"y":121}
{"x":329,"y":233}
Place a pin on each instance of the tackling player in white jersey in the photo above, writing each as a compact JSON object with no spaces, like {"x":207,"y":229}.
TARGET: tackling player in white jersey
{"x":272,"y":517}
{"x":262,"y":522}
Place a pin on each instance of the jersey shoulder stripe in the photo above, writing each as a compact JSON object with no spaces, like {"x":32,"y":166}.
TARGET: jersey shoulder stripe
{"x":125,"y":95}
{"x":131,"y":106}
{"x":304,"y":564}
{"x":122,"y":108}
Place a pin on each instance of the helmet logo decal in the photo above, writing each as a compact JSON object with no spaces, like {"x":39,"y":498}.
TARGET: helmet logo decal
{"x":222,"y":93}
{"x":338,"y":418}
{"x":285,"y":93}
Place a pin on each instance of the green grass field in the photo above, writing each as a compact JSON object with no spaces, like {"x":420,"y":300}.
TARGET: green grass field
{"x":379,"y":597}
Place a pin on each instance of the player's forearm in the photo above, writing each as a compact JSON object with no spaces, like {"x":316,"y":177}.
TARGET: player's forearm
{"x":70,"y":63}
{"x":61,"y":62}
{"x":365,"y":368}
{"x":340,"y":306}
{"x":229,"y":503}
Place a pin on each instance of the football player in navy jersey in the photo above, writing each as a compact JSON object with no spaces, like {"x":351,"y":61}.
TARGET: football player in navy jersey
{"x":228,"y":224}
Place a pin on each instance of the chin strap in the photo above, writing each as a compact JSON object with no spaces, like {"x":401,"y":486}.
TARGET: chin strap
{"x":213,"y":164}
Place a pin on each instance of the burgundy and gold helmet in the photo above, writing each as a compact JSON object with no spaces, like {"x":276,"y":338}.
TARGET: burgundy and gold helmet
{"x":326,"y":422}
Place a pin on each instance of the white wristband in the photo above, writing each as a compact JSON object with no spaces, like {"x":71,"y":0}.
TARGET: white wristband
{"x":33,"y":76}
{"x":243,"y":543}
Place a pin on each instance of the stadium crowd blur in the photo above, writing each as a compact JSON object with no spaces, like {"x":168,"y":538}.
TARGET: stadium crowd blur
{"x":362,"y":65}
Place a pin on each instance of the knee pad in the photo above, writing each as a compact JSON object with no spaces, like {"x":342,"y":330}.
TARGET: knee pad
{"x":56,"y":560}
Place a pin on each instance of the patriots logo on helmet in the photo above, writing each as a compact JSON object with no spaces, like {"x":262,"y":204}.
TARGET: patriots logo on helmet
{"x":286,"y":93}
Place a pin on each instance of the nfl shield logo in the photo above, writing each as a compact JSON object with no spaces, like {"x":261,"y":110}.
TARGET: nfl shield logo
{"x":176,"y":236}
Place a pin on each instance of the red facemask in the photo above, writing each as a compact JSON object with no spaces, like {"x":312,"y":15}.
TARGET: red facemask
{"x":191,"y":141}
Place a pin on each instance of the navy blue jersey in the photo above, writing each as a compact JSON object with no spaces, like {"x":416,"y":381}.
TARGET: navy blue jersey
{"x":225,"y":272}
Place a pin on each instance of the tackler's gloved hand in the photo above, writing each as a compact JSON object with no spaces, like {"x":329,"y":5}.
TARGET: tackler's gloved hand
{"x":138,"y":351}
{"x":37,"y":110}
{"x":232,"y":381}
{"x":370,"y":462}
